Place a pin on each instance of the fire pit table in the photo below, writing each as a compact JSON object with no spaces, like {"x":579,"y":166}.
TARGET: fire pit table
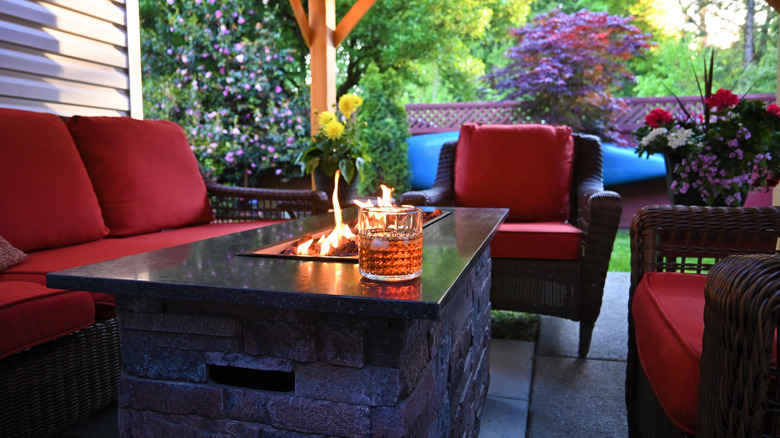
{"x":216,"y":343}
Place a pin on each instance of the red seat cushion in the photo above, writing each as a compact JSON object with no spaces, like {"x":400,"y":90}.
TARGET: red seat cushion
{"x":668,"y":310}
{"x":47,"y":200}
{"x":537,"y":240}
{"x":31,"y":314}
{"x":40,"y":262}
{"x":526,"y":168}
{"x":144,"y":172}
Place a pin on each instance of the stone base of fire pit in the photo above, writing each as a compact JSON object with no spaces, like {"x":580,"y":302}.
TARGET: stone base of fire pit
{"x":198,"y":368}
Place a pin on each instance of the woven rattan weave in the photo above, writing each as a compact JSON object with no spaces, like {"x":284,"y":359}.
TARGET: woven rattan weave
{"x":568,"y":289}
{"x":737,"y":392}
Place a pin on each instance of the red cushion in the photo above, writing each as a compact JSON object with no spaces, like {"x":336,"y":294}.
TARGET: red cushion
{"x":526,"y":168}
{"x":668,"y":311}
{"x":40,"y":262}
{"x":537,"y":240}
{"x":47,"y":200}
{"x":31,"y":314}
{"x":144,"y":172}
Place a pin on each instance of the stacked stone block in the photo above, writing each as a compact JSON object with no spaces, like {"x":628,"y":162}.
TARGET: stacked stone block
{"x":352,"y":375}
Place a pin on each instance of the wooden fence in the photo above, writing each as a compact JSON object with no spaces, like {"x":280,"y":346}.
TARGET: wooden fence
{"x":440,"y":117}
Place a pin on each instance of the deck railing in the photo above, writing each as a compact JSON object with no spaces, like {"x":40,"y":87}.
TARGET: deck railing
{"x":440,"y":117}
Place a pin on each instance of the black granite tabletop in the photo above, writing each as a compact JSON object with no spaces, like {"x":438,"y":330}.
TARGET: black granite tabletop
{"x":212,"y":270}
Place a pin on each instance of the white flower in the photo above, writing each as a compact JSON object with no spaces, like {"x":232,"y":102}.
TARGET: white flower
{"x":652,"y":135}
{"x":679,"y":138}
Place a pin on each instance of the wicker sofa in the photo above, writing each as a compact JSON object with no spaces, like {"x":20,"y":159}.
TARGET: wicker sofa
{"x":83,"y":190}
{"x":551,"y":255}
{"x":703,"y":314}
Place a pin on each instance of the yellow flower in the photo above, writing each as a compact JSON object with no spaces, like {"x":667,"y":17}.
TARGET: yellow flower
{"x":349,"y":103}
{"x":326,"y":117}
{"x":333,"y":130}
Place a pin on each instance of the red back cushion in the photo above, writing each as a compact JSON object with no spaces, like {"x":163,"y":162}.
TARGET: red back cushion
{"x":145,"y":175}
{"x":47,"y":200}
{"x":526,"y":168}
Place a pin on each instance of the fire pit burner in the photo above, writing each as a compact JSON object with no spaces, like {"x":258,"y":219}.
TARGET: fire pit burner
{"x":345,"y":253}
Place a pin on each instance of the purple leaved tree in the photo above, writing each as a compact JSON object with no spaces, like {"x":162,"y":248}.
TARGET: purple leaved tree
{"x":565,"y":68}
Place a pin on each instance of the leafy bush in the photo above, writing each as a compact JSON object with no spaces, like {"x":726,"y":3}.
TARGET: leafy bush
{"x":214,"y":67}
{"x":385,"y":132}
{"x":565,"y":68}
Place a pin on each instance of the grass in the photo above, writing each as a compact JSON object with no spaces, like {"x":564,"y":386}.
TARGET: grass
{"x":621,"y":253}
{"x":525,"y":326}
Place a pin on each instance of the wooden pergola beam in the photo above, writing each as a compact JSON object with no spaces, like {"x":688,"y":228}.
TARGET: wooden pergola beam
{"x":303,"y":24}
{"x":351,"y":19}
{"x":322,"y":37}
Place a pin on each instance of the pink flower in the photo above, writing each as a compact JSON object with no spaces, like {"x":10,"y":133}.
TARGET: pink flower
{"x":773,"y":109}
{"x":722,"y":99}
{"x":658,"y":117}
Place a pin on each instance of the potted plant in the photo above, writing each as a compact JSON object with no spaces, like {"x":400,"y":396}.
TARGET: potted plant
{"x":337,"y":145}
{"x":716,"y":157}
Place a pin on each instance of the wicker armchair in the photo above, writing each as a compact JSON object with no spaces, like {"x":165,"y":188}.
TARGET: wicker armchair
{"x":570,"y":289}
{"x":241,"y":204}
{"x":741,"y":315}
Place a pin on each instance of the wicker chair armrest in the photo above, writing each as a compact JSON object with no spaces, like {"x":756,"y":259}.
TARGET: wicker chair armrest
{"x":239,"y":204}
{"x":681,"y":238}
{"x":741,"y":314}
{"x":442,"y":192}
{"x":433,"y":196}
{"x":588,"y":161}
{"x":602,"y":222}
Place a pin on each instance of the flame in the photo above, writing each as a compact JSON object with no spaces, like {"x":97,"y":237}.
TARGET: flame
{"x":385,"y":201}
{"x":341,"y":233}
{"x":303,"y":248}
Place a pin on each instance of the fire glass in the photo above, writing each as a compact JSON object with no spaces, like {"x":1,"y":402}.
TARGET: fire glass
{"x":390,"y":241}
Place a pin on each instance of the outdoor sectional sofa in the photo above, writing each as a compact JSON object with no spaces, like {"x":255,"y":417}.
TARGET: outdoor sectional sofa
{"x":83,"y":190}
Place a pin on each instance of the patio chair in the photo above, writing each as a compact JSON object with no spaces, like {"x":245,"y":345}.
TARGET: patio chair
{"x":552,"y":254}
{"x":702,"y":321}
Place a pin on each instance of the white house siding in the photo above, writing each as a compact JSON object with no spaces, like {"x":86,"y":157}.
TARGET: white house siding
{"x":71,"y":57}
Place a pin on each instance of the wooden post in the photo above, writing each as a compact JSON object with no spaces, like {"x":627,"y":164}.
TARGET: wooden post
{"x":322,"y":36}
{"x":322,"y":22}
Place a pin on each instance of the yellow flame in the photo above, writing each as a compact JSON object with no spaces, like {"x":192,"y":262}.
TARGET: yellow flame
{"x":386,"y":200}
{"x":387,"y":196}
{"x":303,"y":249}
{"x":341,"y":231}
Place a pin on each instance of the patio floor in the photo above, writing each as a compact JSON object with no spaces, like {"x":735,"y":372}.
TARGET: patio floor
{"x":569,"y":397}
{"x":536,"y":389}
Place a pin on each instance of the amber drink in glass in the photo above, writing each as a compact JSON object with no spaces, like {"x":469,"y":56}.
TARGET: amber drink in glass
{"x":390,"y":243}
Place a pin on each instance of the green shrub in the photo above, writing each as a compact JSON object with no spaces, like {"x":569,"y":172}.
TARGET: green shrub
{"x":215,"y":68}
{"x":385,"y":132}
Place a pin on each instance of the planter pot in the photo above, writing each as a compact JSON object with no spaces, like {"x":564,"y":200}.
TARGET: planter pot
{"x":347,"y":191}
{"x":692,"y":196}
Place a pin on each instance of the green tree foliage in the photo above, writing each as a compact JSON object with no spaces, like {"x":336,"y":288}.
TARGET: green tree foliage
{"x":220,"y":69}
{"x":385,"y":133}
{"x":444,"y":45}
{"x":666,"y":68}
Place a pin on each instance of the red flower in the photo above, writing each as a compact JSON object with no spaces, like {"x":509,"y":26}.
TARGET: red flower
{"x":658,"y":117}
{"x":773,"y":109}
{"x":722,"y":99}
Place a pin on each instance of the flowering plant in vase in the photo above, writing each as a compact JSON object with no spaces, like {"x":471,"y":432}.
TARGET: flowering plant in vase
{"x":337,"y":144}
{"x":722,"y":153}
